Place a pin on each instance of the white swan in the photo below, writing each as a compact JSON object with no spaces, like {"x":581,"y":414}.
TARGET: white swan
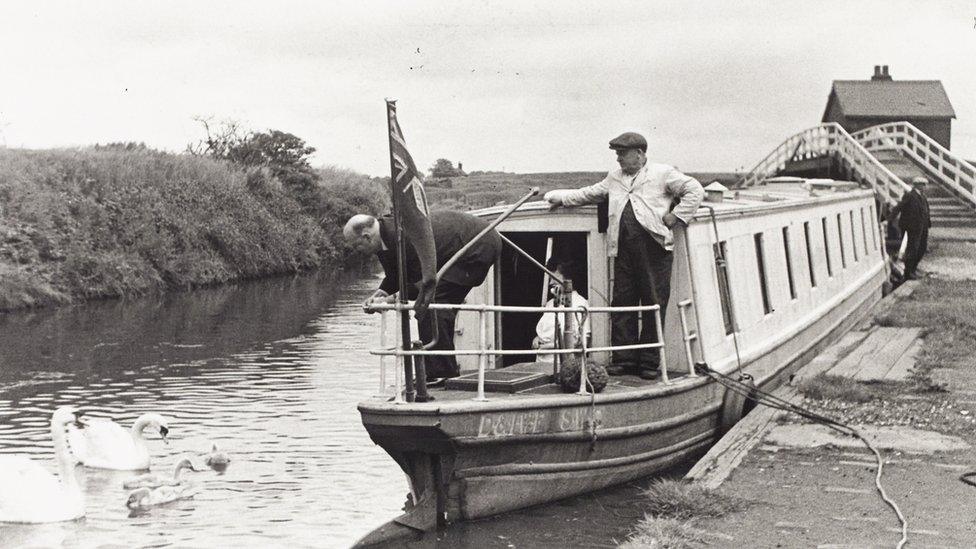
{"x":104,"y":444}
{"x":155,"y":480}
{"x":30,"y":493}
{"x":143,"y":498}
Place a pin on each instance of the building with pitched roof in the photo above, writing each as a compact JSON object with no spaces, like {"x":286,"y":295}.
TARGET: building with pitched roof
{"x":858,"y":104}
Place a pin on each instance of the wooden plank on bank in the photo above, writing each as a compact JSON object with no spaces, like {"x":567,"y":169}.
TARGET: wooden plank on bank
{"x":905,"y":364}
{"x":876,"y":355}
{"x":716,"y":466}
{"x":829,"y":357}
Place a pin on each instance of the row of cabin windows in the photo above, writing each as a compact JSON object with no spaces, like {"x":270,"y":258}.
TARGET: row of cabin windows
{"x":721,"y":259}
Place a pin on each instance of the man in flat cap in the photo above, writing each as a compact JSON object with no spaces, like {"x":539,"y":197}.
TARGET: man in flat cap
{"x":913,"y":218}
{"x":646,"y":201}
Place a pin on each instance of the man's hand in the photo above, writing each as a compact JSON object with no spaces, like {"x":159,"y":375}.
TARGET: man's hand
{"x":425,"y":295}
{"x":379,"y":296}
{"x":670,"y":219}
{"x":553,"y":199}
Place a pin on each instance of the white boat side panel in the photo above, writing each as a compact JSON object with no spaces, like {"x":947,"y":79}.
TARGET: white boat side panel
{"x":756,"y":326}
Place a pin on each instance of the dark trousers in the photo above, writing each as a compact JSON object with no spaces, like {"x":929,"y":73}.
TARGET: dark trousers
{"x":915,"y":248}
{"x":442,"y":366}
{"x":642,"y":276}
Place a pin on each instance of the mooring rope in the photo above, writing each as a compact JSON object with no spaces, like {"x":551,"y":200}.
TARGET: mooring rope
{"x":773,"y":401}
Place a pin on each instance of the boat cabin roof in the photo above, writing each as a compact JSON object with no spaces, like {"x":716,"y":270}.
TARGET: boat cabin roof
{"x":771,"y":193}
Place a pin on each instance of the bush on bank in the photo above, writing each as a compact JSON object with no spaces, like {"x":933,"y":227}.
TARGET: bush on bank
{"x":112,"y":221}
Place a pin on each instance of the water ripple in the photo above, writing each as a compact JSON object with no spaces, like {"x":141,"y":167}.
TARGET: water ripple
{"x":273,"y":380}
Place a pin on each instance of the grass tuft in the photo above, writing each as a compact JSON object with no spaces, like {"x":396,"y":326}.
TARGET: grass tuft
{"x":828,"y":387}
{"x":665,"y":533}
{"x":684,"y":500}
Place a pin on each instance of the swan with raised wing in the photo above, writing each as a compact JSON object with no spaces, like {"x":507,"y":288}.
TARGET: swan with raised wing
{"x":29,"y":493}
{"x":104,"y":444}
{"x":154,"y":480}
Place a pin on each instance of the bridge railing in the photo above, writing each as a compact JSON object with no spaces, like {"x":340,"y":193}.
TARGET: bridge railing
{"x":829,"y":139}
{"x":908,"y":140}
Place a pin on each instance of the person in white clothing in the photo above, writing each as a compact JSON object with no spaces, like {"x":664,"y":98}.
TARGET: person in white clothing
{"x":545,"y":329}
{"x":646,"y":201}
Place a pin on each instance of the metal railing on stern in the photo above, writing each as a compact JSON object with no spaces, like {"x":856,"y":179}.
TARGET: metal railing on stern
{"x":483,"y":351}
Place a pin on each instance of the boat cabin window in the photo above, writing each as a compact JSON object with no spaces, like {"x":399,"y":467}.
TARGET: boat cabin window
{"x":853,"y":238}
{"x":761,"y":264}
{"x":724,"y":295}
{"x":789,"y":262}
{"x":830,"y":267}
{"x":806,"y":244}
{"x":874,"y":227}
{"x":520,"y":283}
{"x":864,"y":233}
{"x":840,"y":242}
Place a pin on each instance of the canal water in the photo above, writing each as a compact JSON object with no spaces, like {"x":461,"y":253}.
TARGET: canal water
{"x":270,"y":371}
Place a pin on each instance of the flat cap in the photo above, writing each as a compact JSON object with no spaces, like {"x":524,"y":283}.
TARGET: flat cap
{"x":920,"y":179}
{"x":629,"y":140}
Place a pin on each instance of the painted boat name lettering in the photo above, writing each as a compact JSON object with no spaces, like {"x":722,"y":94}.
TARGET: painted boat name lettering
{"x":533,"y":422}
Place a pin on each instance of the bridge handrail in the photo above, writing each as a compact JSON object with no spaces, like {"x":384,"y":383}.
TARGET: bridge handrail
{"x":825,"y":139}
{"x":905,"y":138}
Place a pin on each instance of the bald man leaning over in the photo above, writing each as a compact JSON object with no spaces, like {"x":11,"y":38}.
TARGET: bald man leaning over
{"x":452,"y":230}
{"x":646,"y":201}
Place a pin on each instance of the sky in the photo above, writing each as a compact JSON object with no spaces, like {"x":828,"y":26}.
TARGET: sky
{"x":498,"y":85}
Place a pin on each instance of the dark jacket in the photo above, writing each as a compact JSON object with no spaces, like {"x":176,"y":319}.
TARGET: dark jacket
{"x":452,"y":230}
{"x":912,"y":211}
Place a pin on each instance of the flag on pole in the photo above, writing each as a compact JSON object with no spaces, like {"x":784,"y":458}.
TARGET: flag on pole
{"x":410,"y":200}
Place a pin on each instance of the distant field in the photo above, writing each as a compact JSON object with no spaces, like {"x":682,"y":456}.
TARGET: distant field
{"x":487,"y":189}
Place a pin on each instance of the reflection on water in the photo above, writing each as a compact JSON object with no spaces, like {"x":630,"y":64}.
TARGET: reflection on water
{"x":271,"y":371}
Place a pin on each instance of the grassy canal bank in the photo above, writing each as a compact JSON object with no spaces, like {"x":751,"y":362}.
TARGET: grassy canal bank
{"x":98,"y":222}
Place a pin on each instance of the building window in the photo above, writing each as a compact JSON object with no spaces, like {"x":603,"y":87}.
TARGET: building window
{"x":840,"y":241}
{"x":806,"y":244}
{"x":761,"y":264}
{"x":789,"y":262}
{"x":854,"y":238}
{"x":724,"y":295}
{"x":830,"y":267}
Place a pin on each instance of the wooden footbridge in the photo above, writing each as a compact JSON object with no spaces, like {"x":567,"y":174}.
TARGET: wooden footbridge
{"x":887,"y":157}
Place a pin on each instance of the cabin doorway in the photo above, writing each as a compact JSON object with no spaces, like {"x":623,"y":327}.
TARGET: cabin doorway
{"x":522,"y":284}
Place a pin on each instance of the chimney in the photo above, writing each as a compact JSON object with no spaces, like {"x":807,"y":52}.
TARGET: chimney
{"x":881,"y":73}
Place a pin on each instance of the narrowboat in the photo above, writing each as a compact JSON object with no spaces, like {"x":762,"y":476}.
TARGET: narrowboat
{"x":763,"y":279}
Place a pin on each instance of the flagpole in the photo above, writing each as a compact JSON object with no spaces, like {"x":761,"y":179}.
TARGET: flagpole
{"x":409,"y":389}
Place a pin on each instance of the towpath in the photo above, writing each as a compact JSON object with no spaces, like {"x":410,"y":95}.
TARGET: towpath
{"x":907,"y":379}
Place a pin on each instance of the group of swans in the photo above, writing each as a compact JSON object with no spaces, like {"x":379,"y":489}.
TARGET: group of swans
{"x":31,"y":494}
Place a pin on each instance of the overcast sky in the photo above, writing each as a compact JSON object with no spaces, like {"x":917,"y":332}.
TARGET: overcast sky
{"x":496,"y":85}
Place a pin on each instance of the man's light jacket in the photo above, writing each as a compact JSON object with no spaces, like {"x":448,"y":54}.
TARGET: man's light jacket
{"x":651,"y":192}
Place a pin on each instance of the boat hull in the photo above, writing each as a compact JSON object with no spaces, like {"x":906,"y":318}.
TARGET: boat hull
{"x":468,"y":460}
